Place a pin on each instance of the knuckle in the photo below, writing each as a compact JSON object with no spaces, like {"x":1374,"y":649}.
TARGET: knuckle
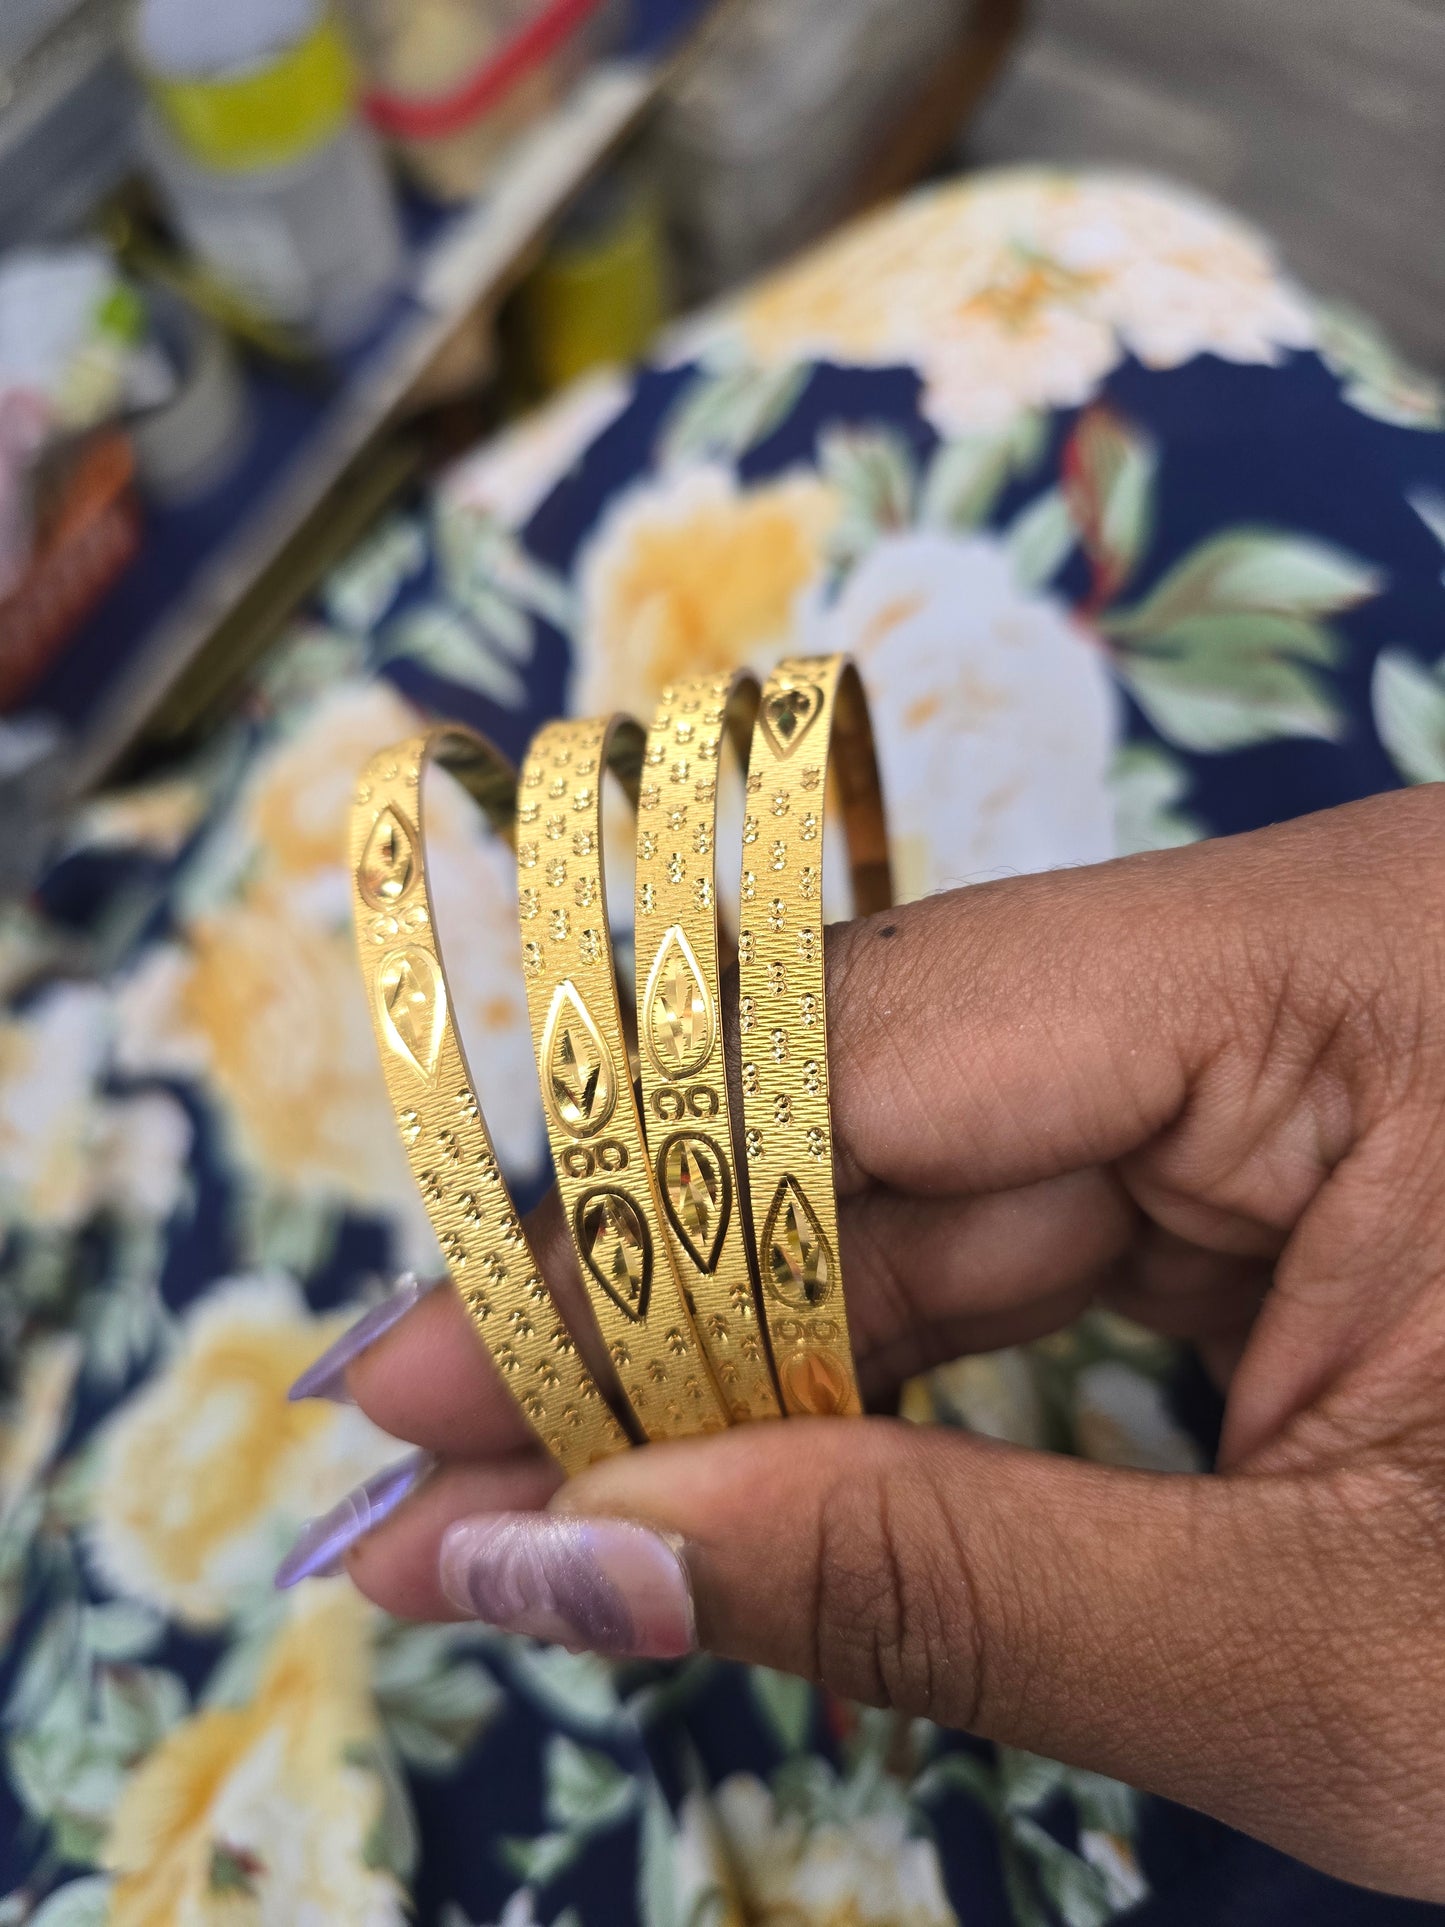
{"x":881,"y":973}
{"x":893,"y":1627}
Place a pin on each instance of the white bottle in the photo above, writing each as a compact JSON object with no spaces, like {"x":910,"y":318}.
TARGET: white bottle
{"x":270,"y":176}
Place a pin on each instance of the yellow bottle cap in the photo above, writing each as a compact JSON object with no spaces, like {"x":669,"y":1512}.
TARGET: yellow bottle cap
{"x":270,"y":117}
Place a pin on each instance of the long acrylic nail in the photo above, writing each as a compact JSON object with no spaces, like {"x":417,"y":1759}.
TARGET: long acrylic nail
{"x":320,"y":1550}
{"x":327,"y":1377}
{"x":605,"y":1585}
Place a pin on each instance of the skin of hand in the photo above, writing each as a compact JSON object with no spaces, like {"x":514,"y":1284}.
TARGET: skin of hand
{"x":1207,"y":1088}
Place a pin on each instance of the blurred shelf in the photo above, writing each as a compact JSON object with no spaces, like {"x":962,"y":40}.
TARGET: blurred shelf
{"x":216,"y":583}
{"x":219,"y":579}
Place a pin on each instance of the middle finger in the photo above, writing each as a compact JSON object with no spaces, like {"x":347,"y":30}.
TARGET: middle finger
{"x":926,"y":1280}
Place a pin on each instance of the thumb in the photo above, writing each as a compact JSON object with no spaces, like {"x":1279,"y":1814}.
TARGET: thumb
{"x":1189,"y":1635}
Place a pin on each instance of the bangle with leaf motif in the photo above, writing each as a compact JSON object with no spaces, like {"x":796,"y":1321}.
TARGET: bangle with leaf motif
{"x":609,"y":1193}
{"x":680,"y":1042}
{"x":435,"y":1100}
{"x":813,"y":729}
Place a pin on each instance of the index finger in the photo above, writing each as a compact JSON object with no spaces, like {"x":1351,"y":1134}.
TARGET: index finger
{"x":926,"y":1282}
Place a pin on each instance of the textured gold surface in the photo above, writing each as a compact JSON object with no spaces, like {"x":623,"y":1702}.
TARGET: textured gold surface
{"x":435,"y":1099}
{"x":684,"y":1080}
{"x":609,"y":1192}
{"x":813,"y":715}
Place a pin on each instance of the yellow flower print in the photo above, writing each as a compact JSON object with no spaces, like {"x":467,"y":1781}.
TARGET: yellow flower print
{"x":772,"y":1869}
{"x":837,"y":299}
{"x":33,"y":1420}
{"x":1024,"y":290}
{"x":262,"y":1813}
{"x":294,"y":812}
{"x":262,"y":999}
{"x":203,"y":1475}
{"x":694,"y":574}
{"x":67,"y":1151}
{"x":51,"y":1122}
{"x":279,"y":1005}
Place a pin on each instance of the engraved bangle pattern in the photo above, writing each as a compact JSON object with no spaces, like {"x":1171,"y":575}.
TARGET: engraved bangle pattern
{"x":813,"y":718}
{"x":680,"y":1040}
{"x":608,"y":1191}
{"x":435,"y":1101}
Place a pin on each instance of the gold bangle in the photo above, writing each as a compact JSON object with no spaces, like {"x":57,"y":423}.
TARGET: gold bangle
{"x":434,"y":1097}
{"x":680,"y":1042}
{"x":813,"y":722}
{"x":609,"y":1194}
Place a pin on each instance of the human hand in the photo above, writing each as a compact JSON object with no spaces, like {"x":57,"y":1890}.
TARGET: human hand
{"x":1206,"y":1087}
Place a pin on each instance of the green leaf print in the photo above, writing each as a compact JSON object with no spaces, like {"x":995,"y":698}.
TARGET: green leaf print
{"x":489,"y":576}
{"x":232,"y":1873}
{"x":1409,"y":705}
{"x":1078,"y":1891}
{"x":723,"y":413}
{"x":543,"y":1858}
{"x":1027,"y":1780}
{"x":1221,"y":653}
{"x":1252,"y":572}
{"x":1205,"y":704}
{"x":586,"y":1790}
{"x":1040,"y":539}
{"x":79,"y":1903}
{"x":576,"y":1689}
{"x":136,"y":1706}
{"x":965,"y":1773}
{"x":394,"y":1841}
{"x":359,"y":591}
{"x":966,"y":477}
{"x":1104,"y":1805}
{"x":1429,"y":505}
{"x":433,"y":1700}
{"x":657,"y":1883}
{"x":786,"y":1703}
{"x":1148,"y":786}
{"x":872,"y":470}
{"x":435,"y":1723}
{"x":1376,"y":379}
{"x":121,"y":1630}
{"x":452,"y":647}
{"x":1109,"y":474}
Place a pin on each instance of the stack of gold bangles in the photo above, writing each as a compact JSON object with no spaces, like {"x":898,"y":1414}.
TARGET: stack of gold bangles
{"x":714,"y":1280}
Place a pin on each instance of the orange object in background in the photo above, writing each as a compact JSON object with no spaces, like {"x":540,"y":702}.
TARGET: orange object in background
{"x":89,"y":534}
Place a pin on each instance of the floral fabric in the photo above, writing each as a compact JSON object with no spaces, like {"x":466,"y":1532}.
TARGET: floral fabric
{"x":1134,"y":543}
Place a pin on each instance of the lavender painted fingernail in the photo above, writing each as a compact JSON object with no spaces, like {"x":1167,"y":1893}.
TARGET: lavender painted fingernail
{"x":327,"y":1377}
{"x":606,"y":1585}
{"x":323,"y":1544}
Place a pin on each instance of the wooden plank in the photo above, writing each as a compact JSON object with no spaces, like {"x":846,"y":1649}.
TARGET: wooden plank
{"x":1321,"y":119}
{"x":922,"y":133}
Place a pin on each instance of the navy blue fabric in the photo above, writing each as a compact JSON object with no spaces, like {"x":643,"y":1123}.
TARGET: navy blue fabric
{"x":1276,"y":448}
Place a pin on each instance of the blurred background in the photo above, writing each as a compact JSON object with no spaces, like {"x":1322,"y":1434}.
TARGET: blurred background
{"x":264,"y":268}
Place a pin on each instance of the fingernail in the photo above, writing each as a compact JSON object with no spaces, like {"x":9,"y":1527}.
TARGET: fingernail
{"x":606,"y":1585}
{"x":327,"y":1377}
{"x":323,"y":1544}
